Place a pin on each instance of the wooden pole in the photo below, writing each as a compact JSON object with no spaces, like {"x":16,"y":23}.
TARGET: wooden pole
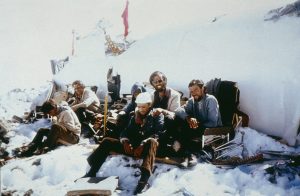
{"x":105,"y":113}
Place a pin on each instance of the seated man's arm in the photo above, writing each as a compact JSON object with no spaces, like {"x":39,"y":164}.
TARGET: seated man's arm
{"x":158,"y":127}
{"x":174,"y":102}
{"x":185,"y":111}
{"x":68,"y":120}
{"x":213,"y":118}
{"x":88,"y":99}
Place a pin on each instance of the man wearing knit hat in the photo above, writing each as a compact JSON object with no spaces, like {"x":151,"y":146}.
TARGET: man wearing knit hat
{"x":138,"y":139}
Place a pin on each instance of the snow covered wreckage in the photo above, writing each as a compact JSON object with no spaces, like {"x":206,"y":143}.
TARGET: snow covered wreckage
{"x":214,"y":141}
{"x":214,"y":147}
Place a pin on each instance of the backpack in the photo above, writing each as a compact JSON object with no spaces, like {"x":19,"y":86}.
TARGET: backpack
{"x":228,"y":95}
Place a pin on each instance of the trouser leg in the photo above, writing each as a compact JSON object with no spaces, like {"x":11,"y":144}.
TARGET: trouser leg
{"x":98,"y":157}
{"x":37,"y":140}
{"x":90,"y":116}
{"x":166,"y":140}
{"x":60,"y":132}
{"x":187,"y":135}
{"x":148,"y":154}
{"x":80,"y":112}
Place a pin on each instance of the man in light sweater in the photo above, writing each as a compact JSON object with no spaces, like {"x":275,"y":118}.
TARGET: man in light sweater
{"x":200,"y":112}
{"x":86,"y":102}
{"x":66,"y":130}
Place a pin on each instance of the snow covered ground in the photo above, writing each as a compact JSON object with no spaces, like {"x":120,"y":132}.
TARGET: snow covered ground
{"x":54,"y":173}
{"x":227,"y":39}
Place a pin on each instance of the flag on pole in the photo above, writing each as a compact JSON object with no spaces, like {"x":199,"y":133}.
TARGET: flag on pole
{"x":125,"y":19}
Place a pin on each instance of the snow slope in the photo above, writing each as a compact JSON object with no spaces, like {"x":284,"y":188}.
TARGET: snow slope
{"x":231,"y":44}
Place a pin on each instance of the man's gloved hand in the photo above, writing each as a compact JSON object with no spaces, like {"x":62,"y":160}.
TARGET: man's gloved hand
{"x":137,"y":153}
{"x":127,"y":148}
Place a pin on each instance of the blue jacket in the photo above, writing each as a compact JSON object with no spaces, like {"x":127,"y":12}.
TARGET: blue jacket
{"x":206,"y":111}
{"x":132,"y":105}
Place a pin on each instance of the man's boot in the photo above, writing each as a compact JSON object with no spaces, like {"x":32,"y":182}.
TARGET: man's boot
{"x":31,"y":148}
{"x":92,"y":172}
{"x":142,"y":185}
{"x":192,"y":161}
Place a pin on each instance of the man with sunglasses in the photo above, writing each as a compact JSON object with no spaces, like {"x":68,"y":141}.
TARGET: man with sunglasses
{"x":165,"y":101}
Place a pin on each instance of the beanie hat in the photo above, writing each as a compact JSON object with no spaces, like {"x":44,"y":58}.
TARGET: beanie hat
{"x":137,"y":86}
{"x":144,"y":97}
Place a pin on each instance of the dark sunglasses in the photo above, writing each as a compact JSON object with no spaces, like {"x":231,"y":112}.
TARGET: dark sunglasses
{"x":157,"y":81}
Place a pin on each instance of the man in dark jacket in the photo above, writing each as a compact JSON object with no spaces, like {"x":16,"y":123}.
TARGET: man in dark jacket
{"x":139,"y":140}
{"x":124,"y":115}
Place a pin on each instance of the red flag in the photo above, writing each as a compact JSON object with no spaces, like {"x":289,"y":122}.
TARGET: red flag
{"x":125,"y":19}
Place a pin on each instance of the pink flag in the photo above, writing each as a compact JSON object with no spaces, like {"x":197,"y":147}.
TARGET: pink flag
{"x":125,"y":19}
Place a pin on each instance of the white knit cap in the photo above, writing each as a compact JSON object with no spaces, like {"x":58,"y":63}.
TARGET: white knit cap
{"x":144,"y":98}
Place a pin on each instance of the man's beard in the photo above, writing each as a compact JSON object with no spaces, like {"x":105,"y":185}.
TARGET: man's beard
{"x":197,"y":98}
{"x":162,"y":89}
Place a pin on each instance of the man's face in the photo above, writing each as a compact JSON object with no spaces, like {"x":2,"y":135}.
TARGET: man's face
{"x":136,"y":93}
{"x":196,"y":92}
{"x":78,"y":89}
{"x":158,"y":83}
{"x":143,"y":108}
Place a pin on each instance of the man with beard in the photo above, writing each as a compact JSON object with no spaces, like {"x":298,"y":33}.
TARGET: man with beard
{"x":139,"y":140}
{"x":200,"y":112}
{"x":165,"y":101}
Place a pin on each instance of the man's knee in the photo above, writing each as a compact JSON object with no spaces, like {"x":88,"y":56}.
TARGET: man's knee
{"x":80,"y":110}
{"x":43,"y":130}
{"x":55,"y":127}
{"x":108,"y":141}
{"x":151,"y":142}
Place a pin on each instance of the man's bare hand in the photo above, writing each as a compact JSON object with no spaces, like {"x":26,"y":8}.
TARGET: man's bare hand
{"x":157,"y":111}
{"x":127,"y":148}
{"x":137,"y":153}
{"x":193,"y":123}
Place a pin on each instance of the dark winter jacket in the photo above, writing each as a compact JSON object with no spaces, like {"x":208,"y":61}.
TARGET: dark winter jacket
{"x":136,"y":133}
{"x":132,"y":105}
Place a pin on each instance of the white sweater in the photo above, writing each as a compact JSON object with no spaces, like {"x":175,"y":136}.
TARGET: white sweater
{"x":68,"y":119}
{"x":88,"y":100}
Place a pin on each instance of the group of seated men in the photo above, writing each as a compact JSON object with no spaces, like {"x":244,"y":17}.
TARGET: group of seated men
{"x":148,"y":121}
